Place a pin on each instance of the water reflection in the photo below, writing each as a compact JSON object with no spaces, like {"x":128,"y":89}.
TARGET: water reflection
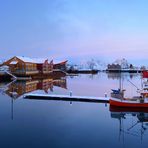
{"x":132,"y":121}
{"x":91,"y":85}
{"x":122,"y":75}
{"x":59,"y":124}
{"x":18,"y":88}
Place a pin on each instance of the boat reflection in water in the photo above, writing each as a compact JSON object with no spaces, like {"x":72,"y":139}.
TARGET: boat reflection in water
{"x":18,"y":88}
{"x":132,"y":121}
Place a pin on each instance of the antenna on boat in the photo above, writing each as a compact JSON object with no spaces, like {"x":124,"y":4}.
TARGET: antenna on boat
{"x":133,"y":84}
{"x":120,"y":82}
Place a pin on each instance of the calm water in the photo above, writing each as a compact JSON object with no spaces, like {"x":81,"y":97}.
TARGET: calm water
{"x":59,"y":124}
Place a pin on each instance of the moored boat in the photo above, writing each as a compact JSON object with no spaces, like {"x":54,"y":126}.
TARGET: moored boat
{"x":141,"y":101}
{"x":138,"y":103}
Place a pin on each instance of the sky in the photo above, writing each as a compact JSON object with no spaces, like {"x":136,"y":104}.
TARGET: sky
{"x":75,"y":29}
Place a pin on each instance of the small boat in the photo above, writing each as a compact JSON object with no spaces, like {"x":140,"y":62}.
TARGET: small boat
{"x":141,"y":101}
{"x":134,"y":103}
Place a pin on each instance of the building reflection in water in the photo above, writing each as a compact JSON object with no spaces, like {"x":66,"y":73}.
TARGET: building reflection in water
{"x":18,"y":88}
{"x":117,"y":76}
{"x":132,"y":121}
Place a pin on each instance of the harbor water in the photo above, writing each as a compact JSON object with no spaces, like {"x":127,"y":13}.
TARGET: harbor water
{"x":37,"y":123}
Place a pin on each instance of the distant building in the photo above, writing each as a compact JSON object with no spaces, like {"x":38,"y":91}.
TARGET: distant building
{"x":143,"y":68}
{"x":114,"y":67}
{"x":131,"y":66}
{"x":123,"y":62}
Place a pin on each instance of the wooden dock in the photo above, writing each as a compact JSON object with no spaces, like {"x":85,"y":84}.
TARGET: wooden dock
{"x":67,"y":98}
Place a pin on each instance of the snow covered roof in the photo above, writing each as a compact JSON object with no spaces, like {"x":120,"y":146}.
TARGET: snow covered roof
{"x":58,"y":62}
{"x":36,"y":60}
{"x":39,"y":60}
{"x":31,"y":60}
{"x":25,"y":59}
{"x":13,"y":62}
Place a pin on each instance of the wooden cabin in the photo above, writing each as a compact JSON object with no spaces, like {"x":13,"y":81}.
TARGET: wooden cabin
{"x":22,"y":66}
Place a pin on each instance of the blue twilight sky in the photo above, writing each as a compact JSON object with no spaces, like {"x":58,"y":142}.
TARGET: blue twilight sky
{"x":75,"y":29}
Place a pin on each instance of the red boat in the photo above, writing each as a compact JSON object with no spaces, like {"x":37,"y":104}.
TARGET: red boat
{"x":138,"y":103}
{"x":118,"y":99}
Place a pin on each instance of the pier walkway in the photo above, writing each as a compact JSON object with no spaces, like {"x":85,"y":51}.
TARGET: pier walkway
{"x":67,"y":98}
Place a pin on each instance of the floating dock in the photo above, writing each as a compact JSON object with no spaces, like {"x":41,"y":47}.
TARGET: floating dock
{"x":67,"y":98}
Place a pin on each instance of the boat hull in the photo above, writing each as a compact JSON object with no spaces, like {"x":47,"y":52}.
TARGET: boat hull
{"x":127,"y":104}
{"x":128,"y":109}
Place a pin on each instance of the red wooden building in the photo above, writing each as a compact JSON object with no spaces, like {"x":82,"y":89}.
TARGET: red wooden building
{"x":24,"y":66}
